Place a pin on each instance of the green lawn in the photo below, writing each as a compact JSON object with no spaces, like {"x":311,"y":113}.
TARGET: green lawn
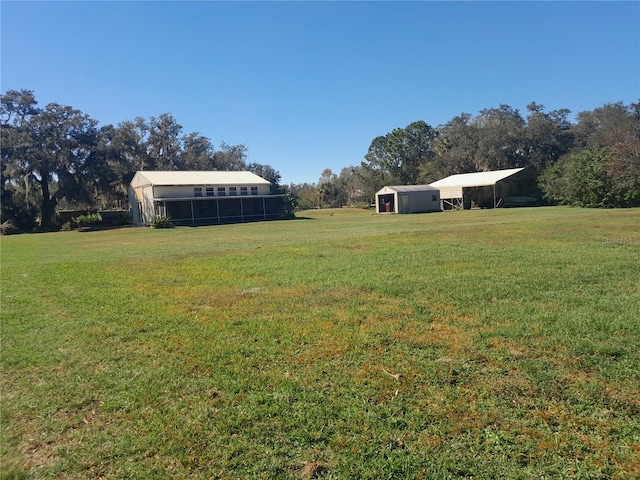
{"x":343,"y":344}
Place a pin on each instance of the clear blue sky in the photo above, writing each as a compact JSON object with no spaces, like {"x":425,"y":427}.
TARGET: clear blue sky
{"x":308,"y":85}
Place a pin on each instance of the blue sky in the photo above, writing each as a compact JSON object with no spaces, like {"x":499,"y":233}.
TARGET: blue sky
{"x":308,"y":85}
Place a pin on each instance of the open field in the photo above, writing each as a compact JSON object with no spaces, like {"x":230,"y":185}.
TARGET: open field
{"x":474,"y":344}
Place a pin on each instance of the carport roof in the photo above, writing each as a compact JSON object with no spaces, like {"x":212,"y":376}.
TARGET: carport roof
{"x":410,"y":188}
{"x":480,"y":179}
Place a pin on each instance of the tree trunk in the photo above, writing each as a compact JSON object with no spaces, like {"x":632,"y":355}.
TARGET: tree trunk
{"x":47,"y":205}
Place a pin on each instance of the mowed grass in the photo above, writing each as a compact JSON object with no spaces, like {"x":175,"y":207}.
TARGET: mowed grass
{"x":342,"y":344}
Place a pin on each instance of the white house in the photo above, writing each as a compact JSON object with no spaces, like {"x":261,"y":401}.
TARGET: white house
{"x":408,"y":199}
{"x":202,"y":197}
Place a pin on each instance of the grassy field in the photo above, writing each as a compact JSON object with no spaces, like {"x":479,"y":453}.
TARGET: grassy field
{"x":342,"y":344}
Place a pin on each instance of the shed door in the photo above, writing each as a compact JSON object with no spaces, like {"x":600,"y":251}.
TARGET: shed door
{"x":385,"y":203}
{"x":404,"y":207}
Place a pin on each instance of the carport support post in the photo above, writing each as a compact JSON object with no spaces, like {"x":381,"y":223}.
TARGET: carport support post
{"x":494,"y":195}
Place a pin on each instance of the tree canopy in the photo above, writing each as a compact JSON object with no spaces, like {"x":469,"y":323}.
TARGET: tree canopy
{"x":399,"y":154}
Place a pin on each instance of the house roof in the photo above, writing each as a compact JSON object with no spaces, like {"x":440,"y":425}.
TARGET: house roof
{"x":480,"y":179}
{"x":410,"y":188}
{"x":149,"y":177}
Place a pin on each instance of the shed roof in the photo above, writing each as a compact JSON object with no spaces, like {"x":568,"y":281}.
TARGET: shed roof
{"x":150,"y":177}
{"x":480,"y":179}
{"x":410,"y":188}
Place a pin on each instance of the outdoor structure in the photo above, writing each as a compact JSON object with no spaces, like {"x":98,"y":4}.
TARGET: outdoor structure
{"x":408,"y":199}
{"x":202,"y":198}
{"x":499,"y":188}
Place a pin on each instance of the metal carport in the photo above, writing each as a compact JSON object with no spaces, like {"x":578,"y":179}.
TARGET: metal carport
{"x":486,"y":189}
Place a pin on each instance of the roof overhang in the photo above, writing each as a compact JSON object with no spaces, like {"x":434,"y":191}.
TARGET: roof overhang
{"x":144,"y":178}
{"x":479,"y":179}
{"x":406,"y":188}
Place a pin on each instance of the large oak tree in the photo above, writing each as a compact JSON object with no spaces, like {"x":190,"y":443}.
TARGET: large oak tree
{"x":47,"y":147}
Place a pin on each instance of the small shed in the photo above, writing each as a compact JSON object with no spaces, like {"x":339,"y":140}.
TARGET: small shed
{"x":203,"y":197}
{"x":408,"y":199}
{"x":493,"y":189}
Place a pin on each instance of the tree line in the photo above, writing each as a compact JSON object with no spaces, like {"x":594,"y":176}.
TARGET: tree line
{"x":594,"y":161}
{"x":57,"y":157}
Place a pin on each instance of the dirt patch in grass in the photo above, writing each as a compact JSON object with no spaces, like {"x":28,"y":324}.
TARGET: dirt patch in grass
{"x":447,"y":330}
{"x":313,"y":470}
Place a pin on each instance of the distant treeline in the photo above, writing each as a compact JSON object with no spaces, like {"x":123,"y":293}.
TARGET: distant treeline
{"x":58,"y":157}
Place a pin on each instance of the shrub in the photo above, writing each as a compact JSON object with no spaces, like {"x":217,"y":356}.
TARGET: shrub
{"x":21,"y":215}
{"x":592,"y":178}
{"x":115,"y":218}
{"x":162,"y":222}
{"x":90,"y":219}
{"x":7,"y":228}
{"x":362,"y":205}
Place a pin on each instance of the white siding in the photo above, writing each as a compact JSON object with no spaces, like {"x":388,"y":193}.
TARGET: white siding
{"x":148,"y":208}
{"x":450,"y":192}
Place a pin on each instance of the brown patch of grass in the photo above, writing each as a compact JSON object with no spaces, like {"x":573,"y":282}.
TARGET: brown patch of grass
{"x":466,"y":415}
{"x":322,"y":345}
{"x":514,"y":385}
{"x":450,"y":330}
{"x":514,"y":349}
{"x":312,"y":470}
{"x":36,"y":450}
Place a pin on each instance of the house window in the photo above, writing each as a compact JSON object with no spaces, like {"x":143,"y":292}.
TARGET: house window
{"x":221,"y":191}
{"x":233,"y":191}
{"x":254,"y":190}
{"x":209,"y":191}
{"x":243,"y":191}
{"x":197,"y":191}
